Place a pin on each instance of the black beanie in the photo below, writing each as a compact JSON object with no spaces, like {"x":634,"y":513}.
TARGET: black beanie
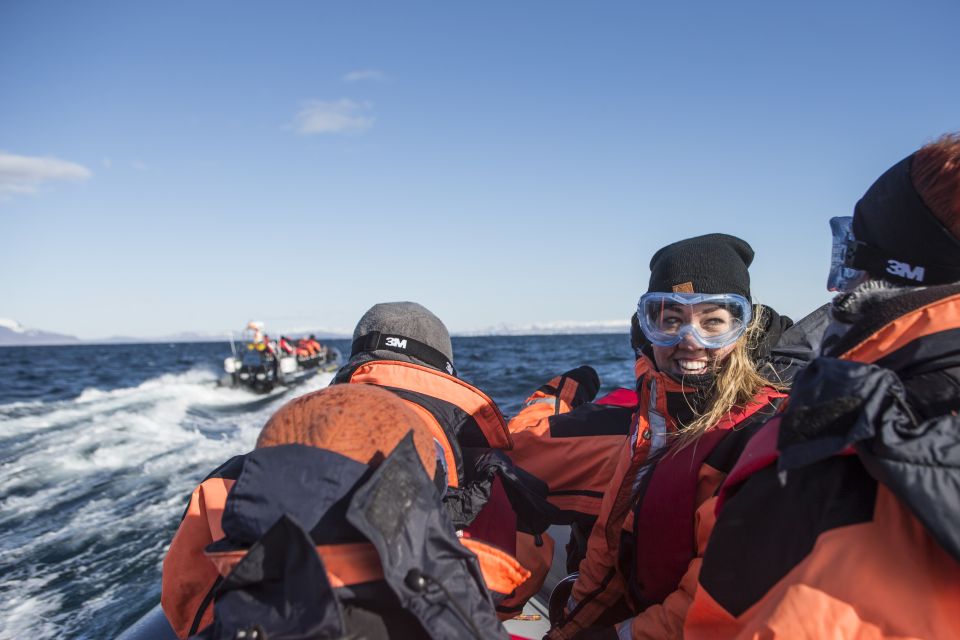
{"x":714,"y":263}
{"x":892,"y":218}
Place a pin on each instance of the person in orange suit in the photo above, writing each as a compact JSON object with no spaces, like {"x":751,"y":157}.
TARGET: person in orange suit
{"x":840,"y":518}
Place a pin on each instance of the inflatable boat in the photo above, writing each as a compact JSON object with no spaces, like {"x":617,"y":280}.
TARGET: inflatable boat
{"x":261,"y":364}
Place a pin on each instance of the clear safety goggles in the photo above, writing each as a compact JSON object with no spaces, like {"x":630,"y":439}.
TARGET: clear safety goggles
{"x":712,"y":320}
{"x":843,"y":277}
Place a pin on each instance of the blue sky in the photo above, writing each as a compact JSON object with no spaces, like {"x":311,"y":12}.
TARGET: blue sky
{"x":181,"y":166}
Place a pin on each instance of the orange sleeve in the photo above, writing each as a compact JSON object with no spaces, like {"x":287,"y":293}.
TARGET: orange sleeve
{"x":540,"y":405}
{"x":188,"y":575}
{"x":883,"y":578}
{"x":536,"y":560}
{"x":573,"y":487}
{"x":600,"y":585}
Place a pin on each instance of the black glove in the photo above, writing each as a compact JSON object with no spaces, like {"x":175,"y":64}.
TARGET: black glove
{"x":463,"y":503}
{"x":527,"y":494}
{"x":584,"y":378}
{"x":588,"y":381}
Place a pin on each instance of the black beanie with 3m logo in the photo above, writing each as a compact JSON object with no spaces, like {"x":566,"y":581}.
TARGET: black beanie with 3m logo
{"x":892,"y":218}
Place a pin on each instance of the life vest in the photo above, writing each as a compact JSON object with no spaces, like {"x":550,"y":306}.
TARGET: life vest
{"x":315,"y":529}
{"x":668,"y":498}
{"x":645,"y":536}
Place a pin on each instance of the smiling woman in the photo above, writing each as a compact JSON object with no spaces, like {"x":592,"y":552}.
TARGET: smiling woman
{"x":703,"y":377}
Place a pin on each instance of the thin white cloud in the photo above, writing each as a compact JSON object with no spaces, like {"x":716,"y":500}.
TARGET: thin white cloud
{"x":139,"y":165}
{"x":24,"y":174}
{"x":337,"y":116}
{"x":365,"y":75}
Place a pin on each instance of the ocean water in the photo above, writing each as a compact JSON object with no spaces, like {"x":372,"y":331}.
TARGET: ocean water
{"x":100,"y":447}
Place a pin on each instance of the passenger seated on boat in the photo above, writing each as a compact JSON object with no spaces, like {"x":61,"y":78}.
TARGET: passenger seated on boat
{"x":560,"y":422}
{"x":405,"y":348}
{"x":705,"y":382}
{"x":266,"y":346}
{"x":332,"y":527}
{"x":841,"y":518}
{"x":301,"y":350}
{"x":285,"y":346}
{"x":308,"y":348}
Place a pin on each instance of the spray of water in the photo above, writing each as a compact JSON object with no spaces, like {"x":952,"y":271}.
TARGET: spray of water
{"x":91,"y":490}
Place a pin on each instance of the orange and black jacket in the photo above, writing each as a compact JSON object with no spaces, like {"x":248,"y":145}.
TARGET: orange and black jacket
{"x":571,"y":443}
{"x":645,"y":542}
{"x":488,"y":497}
{"x":840,"y":518}
{"x":303,"y":542}
{"x":644,"y":550}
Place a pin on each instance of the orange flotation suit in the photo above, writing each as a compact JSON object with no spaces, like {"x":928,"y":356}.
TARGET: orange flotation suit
{"x":854,"y":556}
{"x":255,"y":503}
{"x":464,"y":419}
{"x":617,"y":572}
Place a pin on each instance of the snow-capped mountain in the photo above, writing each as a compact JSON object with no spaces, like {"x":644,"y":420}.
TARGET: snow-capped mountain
{"x":14,"y":333}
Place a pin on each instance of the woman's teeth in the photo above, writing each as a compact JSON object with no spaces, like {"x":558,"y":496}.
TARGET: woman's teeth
{"x":692,"y":366}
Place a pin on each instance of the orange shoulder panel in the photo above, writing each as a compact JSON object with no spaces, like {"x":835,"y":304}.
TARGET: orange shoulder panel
{"x":935,"y":317}
{"x":406,"y":375}
{"x":440,"y":436}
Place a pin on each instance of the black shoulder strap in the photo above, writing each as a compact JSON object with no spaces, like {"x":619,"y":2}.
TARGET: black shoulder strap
{"x":376,"y":341}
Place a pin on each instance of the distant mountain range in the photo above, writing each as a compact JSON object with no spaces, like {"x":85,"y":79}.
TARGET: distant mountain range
{"x":571,"y":327}
{"x":12,"y":333}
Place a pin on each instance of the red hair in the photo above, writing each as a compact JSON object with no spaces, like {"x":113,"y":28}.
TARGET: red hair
{"x":935,"y":172}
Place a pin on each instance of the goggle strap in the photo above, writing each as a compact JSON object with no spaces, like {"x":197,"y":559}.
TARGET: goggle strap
{"x":874,"y":261}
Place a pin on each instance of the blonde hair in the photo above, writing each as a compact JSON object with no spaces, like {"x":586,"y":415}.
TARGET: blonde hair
{"x":738,"y":380}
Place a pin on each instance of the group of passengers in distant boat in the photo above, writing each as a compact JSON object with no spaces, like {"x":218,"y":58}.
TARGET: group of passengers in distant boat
{"x":302,"y":348}
{"x":763,"y":478}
